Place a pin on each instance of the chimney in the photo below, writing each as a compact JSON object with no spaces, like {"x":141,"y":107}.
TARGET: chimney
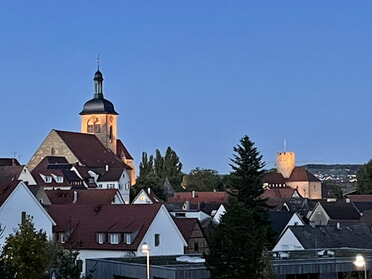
{"x":193,"y":194}
{"x":75,"y":197}
{"x":148,"y":191}
{"x":106,"y":167}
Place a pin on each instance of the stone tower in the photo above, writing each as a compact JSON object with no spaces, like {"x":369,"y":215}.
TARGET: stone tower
{"x":285,"y":163}
{"x":99,"y":116}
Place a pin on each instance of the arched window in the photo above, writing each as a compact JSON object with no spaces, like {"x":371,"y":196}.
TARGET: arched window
{"x":94,"y":126}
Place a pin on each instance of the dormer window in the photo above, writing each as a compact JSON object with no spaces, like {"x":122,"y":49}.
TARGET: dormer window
{"x":127,"y":238}
{"x":46,"y":178}
{"x":58,"y":179}
{"x":114,"y":238}
{"x":101,"y":238}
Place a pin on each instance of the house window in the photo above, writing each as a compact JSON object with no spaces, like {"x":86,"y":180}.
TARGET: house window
{"x":58,"y":179}
{"x":196,"y":246}
{"x":100,"y":185}
{"x":180,"y":214}
{"x":101,"y":238}
{"x":128,"y":238}
{"x":157,"y":239}
{"x":94,"y":126}
{"x":46,"y":178}
{"x":114,"y":238}
{"x":62,"y":237}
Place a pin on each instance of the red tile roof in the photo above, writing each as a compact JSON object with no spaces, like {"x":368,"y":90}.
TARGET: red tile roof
{"x":278,"y":193}
{"x":301,"y":174}
{"x":9,"y":162}
{"x":9,"y":173}
{"x":121,"y":149}
{"x":86,"y":220}
{"x":187,"y":226}
{"x":360,"y":198}
{"x":6,"y":188}
{"x":197,"y":197}
{"x":91,"y":196}
{"x":90,"y":151}
{"x":273,"y":178}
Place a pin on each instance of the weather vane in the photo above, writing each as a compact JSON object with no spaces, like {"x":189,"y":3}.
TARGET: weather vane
{"x":98,"y":61}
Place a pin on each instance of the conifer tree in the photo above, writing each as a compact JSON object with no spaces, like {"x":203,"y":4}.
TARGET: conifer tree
{"x":237,"y":247}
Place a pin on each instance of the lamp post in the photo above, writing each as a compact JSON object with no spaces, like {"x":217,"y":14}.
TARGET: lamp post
{"x":146,"y":249}
{"x":361,"y":262}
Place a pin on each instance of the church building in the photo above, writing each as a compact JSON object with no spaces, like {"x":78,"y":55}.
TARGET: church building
{"x":96,"y":148}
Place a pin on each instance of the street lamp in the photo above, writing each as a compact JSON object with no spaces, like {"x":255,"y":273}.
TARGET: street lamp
{"x":361,"y":262}
{"x":146,"y":249}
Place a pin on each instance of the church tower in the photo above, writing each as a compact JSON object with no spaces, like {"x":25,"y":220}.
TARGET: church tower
{"x":99,"y":116}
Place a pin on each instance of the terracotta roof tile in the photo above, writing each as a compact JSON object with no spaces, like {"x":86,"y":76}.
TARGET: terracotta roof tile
{"x":91,"y":196}
{"x":301,"y":174}
{"x":87,"y":220}
{"x":90,"y":151}
{"x":6,"y":188}
{"x":198,"y":197}
{"x":278,"y":193}
{"x":360,"y":198}
{"x":121,"y":149}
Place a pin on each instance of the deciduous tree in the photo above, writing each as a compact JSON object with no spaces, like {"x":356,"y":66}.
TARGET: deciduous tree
{"x":155,"y":170}
{"x":25,"y":253}
{"x":202,"y":180}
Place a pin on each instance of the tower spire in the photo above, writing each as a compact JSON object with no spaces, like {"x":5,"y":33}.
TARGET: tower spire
{"x":98,"y":82}
{"x":98,"y":62}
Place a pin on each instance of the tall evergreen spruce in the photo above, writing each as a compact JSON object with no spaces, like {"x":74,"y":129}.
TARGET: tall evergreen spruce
{"x":237,"y":247}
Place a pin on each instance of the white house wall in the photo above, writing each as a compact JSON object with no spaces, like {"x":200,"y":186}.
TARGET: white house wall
{"x":26,"y":176}
{"x":171,"y":240}
{"x":288,"y":242}
{"x":21,"y":199}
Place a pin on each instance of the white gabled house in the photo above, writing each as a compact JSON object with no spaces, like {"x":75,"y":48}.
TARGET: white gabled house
{"x":16,"y":199}
{"x":116,"y":230}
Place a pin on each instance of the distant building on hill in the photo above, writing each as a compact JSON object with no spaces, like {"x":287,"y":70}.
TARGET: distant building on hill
{"x":288,"y":175}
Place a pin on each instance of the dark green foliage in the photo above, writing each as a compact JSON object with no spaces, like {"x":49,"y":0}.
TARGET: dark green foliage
{"x":202,"y":180}
{"x":25,"y":252}
{"x":238,"y":245}
{"x":64,"y":261}
{"x":364,"y":178}
{"x":153,"y":171}
{"x":247,"y":169}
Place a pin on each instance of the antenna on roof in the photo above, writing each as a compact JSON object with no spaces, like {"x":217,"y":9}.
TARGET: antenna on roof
{"x":98,"y":62}
{"x":285,"y":145}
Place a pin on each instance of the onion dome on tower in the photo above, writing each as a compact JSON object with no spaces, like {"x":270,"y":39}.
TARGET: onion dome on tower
{"x":98,"y":105}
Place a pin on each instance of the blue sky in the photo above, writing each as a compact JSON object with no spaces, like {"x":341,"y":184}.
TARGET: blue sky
{"x":193,"y":75}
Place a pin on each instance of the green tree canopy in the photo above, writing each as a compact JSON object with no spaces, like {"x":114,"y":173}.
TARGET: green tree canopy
{"x":364,"y":179}
{"x":25,"y":253}
{"x":237,"y":247}
{"x":247,"y":169}
{"x":202,"y":180}
{"x":153,"y":171}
